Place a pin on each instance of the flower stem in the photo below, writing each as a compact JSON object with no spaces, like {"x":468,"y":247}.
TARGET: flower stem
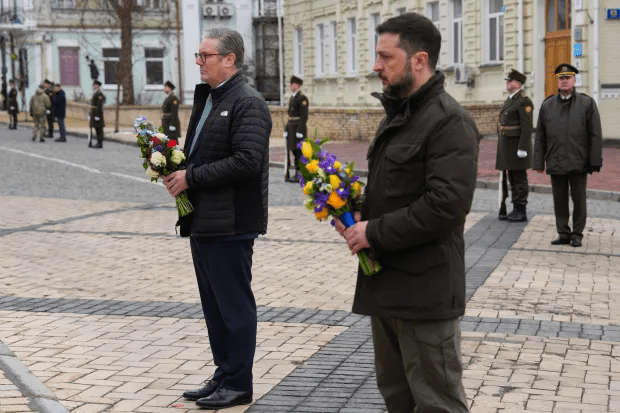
{"x":183,"y":205}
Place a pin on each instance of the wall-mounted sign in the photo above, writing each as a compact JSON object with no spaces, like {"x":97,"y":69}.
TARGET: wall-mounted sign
{"x":578,"y":49}
{"x":613,"y":13}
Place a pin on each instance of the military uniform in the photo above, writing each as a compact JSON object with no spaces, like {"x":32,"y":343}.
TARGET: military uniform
{"x":96,"y":115}
{"x":170,"y":116}
{"x":514,"y":131}
{"x":297,"y":119}
{"x":12,"y":108}
{"x":49,"y":91}
{"x":569,"y":145}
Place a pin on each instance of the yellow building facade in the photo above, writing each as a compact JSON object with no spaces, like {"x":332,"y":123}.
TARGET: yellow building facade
{"x":330,"y":44}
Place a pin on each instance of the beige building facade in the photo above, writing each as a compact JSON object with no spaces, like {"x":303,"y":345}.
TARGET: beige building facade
{"x":330,"y":44}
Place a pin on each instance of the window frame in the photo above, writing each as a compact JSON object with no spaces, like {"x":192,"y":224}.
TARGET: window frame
{"x":456,"y":47}
{"x":333,"y":58}
{"x":352,"y":46}
{"x":499,"y":39}
{"x":374,"y":20}
{"x":156,"y":59}
{"x":110,"y":59}
{"x":319,"y":55}
{"x":428,"y":11}
{"x":298,"y":51}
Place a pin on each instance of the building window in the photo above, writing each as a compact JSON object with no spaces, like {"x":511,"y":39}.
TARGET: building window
{"x":150,"y":4}
{"x":495,"y":31}
{"x":401,"y":10}
{"x":111,"y":59}
{"x":352,"y":45}
{"x":63,"y":4}
{"x":374,"y":21}
{"x":298,"y":64}
{"x":319,"y":57}
{"x":457,"y":31}
{"x":333,"y":61}
{"x":432,"y":12}
{"x":154,"y":59}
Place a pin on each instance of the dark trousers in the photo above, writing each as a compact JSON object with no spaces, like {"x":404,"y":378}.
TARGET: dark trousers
{"x":519,"y":189}
{"x":224,"y":274}
{"x":418,"y":365}
{"x":292,"y":142}
{"x":12,"y":120}
{"x":50,"y":125}
{"x":99,"y":132}
{"x":560,"y":187}
{"x":61,"y":128}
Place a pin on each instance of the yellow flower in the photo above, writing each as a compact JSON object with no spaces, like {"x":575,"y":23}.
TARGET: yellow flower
{"x":321,"y":215}
{"x":348,"y":171}
{"x":313,"y":166}
{"x":337,"y":165}
{"x":357,"y":188}
{"x":334,"y":181}
{"x":307,"y":188}
{"x":335,"y":200}
{"x":306,"y":149}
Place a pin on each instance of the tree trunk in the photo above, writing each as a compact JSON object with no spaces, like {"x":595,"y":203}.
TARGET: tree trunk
{"x":125,"y":65}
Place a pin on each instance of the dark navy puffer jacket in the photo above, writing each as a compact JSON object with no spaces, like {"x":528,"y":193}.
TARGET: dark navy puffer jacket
{"x":228,"y":170}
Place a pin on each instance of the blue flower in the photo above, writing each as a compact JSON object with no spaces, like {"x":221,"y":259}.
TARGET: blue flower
{"x":303,"y":159}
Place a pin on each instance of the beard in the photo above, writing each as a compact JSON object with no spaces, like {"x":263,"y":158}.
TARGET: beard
{"x":403,"y":85}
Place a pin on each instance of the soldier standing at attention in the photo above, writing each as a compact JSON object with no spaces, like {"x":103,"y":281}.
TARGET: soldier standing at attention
{"x":49,"y":91}
{"x":296,"y":129}
{"x":96,"y":113}
{"x":12,"y":105}
{"x":569,"y":144}
{"x":514,"y":147}
{"x":170,"y":113}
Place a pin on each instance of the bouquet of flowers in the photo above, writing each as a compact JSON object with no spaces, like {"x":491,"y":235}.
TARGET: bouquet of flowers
{"x":331,"y":188}
{"x":161,"y":156}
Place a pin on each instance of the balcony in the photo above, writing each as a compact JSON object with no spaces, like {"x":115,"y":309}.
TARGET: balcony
{"x":265,"y":8}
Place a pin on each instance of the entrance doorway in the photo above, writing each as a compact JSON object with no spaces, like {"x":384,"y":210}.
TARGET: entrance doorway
{"x":557,"y":40}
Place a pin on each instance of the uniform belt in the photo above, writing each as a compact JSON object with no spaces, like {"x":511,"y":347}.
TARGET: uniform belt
{"x":294,"y":117}
{"x":509,"y":127}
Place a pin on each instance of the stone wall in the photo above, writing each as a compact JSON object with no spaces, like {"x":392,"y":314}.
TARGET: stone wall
{"x":342,"y":124}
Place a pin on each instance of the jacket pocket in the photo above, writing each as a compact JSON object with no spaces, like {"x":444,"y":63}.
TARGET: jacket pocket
{"x":404,"y":171}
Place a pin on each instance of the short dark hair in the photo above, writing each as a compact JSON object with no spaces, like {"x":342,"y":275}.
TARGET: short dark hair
{"x":417,"y":33}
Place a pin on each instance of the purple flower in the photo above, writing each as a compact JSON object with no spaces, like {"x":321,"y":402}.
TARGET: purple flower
{"x":354,"y":179}
{"x":332,"y":222}
{"x":321,"y":199}
{"x":303,"y":159}
{"x":323,"y":154}
{"x":330,"y":170}
{"x":318,"y":208}
{"x":299,"y":144}
{"x":302,"y":181}
{"x":159,"y":148}
{"x":343,"y":192}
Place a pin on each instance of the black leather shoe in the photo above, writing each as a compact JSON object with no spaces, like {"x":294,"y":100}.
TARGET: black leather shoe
{"x":60,"y":140}
{"x":203,"y":392}
{"x":517,"y":216}
{"x":575,"y":242}
{"x":223,"y":398}
{"x":560,"y":241}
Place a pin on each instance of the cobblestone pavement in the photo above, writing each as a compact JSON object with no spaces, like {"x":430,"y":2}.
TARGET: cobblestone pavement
{"x":98,"y":301}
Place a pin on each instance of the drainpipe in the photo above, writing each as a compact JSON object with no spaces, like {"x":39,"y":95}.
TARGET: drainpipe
{"x":520,"y":36}
{"x":279,"y":11}
{"x":595,"y":54}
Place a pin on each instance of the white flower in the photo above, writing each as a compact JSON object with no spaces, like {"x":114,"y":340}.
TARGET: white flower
{"x":322,"y":174}
{"x":161,"y":137}
{"x":158,"y":159}
{"x":177,"y":157}
{"x":152,"y":173}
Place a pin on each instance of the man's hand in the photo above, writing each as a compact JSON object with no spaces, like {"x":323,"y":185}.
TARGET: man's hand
{"x":340,"y":228}
{"x":356,"y":237}
{"x":172,"y":128}
{"x":175,"y":183}
{"x":97,"y":118}
{"x":285,"y":135}
{"x":521,"y":154}
{"x":49,"y":112}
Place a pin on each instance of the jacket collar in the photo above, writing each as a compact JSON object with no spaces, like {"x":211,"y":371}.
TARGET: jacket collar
{"x":203,"y":90}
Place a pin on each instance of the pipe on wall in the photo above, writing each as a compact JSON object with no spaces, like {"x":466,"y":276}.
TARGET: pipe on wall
{"x":520,"y":36}
{"x":595,"y":53}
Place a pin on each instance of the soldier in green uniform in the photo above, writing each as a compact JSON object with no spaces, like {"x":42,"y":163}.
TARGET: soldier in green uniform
{"x":96,"y":113}
{"x":569,"y":144}
{"x":170,"y":113}
{"x":296,"y":129}
{"x":514,"y":147}
{"x":49,"y":91}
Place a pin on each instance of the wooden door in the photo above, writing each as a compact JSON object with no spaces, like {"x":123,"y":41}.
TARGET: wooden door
{"x":557,"y":40}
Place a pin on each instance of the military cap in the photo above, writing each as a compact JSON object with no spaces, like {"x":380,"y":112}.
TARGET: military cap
{"x":57,"y":84}
{"x":169,"y":84}
{"x":298,"y":80}
{"x":516,"y":75}
{"x":564,"y":69}
{"x":96,"y":82}
{"x":47,"y":81}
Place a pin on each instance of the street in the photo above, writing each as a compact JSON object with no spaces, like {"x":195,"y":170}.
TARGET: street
{"x":99,"y":302}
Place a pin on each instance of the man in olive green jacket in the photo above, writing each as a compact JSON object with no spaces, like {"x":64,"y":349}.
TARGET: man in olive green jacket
{"x":39,"y":105}
{"x":422,"y":168}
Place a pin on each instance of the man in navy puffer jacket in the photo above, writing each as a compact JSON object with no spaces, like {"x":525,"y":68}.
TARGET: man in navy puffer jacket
{"x":227,"y":149}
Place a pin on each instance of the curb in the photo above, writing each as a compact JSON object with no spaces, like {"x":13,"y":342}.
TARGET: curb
{"x":41,"y":399}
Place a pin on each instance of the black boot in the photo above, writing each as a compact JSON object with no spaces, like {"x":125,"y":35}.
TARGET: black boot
{"x":502,"y":213}
{"x":518,"y":214}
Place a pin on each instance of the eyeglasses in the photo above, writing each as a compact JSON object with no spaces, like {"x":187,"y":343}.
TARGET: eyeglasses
{"x":202,"y":57}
